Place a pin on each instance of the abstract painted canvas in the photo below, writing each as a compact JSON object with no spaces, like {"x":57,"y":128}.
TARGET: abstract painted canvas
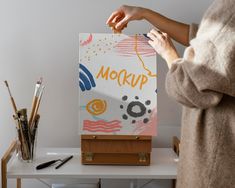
{"x":117,"y":79}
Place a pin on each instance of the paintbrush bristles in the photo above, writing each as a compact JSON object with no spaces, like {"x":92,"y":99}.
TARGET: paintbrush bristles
{"x":6,"y":83}
{"x":8,"y":88}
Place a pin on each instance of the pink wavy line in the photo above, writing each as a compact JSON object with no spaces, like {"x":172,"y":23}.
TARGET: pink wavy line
{"x":101,"y":130}
{"x":133,"y":53}
{"x":130,"y":43}
{"x":125,"y":47}
{"x":102,"y":126}
{"x":102,"y":122}
{"x":86,"y":42}
{"x":112,"y":125}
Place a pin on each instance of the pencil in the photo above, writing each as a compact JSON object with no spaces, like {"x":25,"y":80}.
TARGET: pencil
{"x":11,"y":97}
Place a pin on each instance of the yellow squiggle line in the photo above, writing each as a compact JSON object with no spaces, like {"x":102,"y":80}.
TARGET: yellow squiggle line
{"x":141,"y":60}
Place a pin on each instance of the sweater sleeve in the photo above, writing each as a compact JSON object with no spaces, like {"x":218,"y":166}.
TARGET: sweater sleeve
{"x":197,"y":82}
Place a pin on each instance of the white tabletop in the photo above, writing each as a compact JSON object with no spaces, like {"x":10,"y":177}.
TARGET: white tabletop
{"x":163,"y":166}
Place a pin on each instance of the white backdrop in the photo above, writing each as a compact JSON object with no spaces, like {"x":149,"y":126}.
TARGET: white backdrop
{"x":40,"y":38}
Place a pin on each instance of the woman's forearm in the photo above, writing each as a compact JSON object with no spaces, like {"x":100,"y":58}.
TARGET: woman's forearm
{"x":176,"y":30}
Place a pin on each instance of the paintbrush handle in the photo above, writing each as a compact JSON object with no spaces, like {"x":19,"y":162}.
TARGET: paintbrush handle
{"x":12,"y":99}
{"x":25,"y":150}
{"x":36,"y":111}
{"x":46,"y":164}
{"x":14,"y":105}
{"x":37,"y":106}
{"x":34,"y":105}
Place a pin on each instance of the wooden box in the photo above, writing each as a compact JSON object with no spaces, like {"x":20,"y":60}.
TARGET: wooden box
{"x":116,"y":150}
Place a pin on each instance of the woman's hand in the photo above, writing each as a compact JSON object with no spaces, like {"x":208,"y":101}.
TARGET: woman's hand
{"x":163,"y":45}
{"x":120,"y":18}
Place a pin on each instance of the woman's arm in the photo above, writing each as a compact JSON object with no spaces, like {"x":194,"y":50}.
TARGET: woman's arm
{"x":176,"y":30}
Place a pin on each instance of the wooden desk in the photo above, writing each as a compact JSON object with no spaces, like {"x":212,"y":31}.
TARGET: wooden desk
{"x":163,"y":166}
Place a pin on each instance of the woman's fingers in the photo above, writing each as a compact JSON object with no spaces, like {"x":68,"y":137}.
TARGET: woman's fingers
{"x":165,"y":34}
{"x":117,"y":18}
{"x":113,"y":15}
{"x":163,"y":45}
{"x":158,"y":34}
{"x":122,"y":23}
{"x":120,"y":18}
{"x":151,"y":36}
{"x":151,"y":43}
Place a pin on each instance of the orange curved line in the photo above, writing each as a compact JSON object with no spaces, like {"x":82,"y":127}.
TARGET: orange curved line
{"x":141,"y":60}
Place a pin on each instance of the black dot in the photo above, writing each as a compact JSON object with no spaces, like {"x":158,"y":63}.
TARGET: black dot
{"x":121,"y":106}
{"x":149,"y":111}
{"x":124,"y":116}
{"x":148,"y":102}
{"x":124,"y":98}
{"x":133,"y":121}
{"x":136,"y":97}
{"x":145,"y":120}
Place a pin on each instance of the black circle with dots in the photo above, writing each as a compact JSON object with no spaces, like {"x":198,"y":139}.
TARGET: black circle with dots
{"x":136,"y":109}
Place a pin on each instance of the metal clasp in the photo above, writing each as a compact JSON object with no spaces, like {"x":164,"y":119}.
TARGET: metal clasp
{"x":89,"y":156}
{"x":142,"y":157}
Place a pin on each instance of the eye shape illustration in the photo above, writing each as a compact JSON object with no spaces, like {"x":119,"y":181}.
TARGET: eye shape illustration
{"x":136,"y":110}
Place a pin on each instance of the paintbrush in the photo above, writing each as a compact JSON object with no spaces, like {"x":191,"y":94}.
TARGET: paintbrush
{"x":37,"y":106}
{"x":35,"y":100}
{"x":23,"y":122}
{"x":11,"y":97}
{"x":33,"y":133}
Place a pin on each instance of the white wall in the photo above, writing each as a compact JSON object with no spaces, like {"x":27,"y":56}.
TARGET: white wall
{"x":40,"y":38}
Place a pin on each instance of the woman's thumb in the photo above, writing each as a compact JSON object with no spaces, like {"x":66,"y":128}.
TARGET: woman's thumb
{"x":122,"y":23}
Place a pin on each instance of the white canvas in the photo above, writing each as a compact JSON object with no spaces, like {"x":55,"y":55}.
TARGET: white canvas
{"x":117,"y":85}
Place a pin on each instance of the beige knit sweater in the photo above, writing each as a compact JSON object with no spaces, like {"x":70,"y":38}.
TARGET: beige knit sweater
{"x":204,"y":82}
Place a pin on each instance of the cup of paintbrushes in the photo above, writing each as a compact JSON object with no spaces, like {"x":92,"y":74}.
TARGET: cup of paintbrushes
{"x":26,"y":135}
{"x":27,"y":129}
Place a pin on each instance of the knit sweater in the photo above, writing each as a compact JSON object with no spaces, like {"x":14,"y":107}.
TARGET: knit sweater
{"x":203,"y":81}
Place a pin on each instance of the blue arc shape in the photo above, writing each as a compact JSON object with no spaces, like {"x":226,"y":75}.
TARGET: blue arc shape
{"x":85,"y":80}
{"x":82,"y":86}
{"x":88,"y":74}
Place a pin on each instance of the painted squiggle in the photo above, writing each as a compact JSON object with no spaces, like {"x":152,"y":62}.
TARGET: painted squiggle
{"x":125,"y":47}
{"x":86,"y":42}
{"x":102,"y":126}
{"x":141,"y":60}
{"x":96,"y":107}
